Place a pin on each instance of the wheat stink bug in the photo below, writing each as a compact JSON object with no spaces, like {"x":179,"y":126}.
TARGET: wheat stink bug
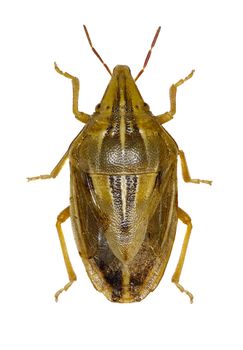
{"x":123,"y":202}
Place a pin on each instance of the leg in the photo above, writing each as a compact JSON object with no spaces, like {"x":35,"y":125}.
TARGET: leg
{"x":54,"y":172}
{"x":185,"y":171}
{"x":63,"y":216}
{"x":185,"y":218}
{"x":165,"y":117}
{"x":83,"y":117}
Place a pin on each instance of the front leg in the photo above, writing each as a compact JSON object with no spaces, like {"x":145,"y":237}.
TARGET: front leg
{"x":165,"y":117}
{"x":81,"y":116}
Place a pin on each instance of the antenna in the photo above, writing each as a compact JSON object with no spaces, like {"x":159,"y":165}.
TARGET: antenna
{"x":149,"y":53}
{"x":95,"y":52}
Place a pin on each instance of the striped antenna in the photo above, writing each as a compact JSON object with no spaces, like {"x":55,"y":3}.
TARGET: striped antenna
{"x":95,"y":52}
{"x":149,"y":53}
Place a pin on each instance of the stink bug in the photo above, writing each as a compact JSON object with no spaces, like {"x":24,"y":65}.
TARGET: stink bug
{"x":123,"y":202}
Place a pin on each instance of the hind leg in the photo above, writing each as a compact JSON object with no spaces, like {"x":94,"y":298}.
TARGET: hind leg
{"x":62,"y":217}
{"x":185,"y":218}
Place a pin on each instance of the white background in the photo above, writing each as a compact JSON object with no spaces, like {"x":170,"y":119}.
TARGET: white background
{"x":37,"y":126}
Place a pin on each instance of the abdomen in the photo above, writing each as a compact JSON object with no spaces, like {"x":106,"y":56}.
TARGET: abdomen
{"x":124,"y":226}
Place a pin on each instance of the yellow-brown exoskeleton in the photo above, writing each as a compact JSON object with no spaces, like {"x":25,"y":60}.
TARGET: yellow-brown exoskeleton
{"x":123,"y":202}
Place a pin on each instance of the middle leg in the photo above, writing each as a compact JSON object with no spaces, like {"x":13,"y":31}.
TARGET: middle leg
{"x":165,"y":117}
{"x":53,"y":174}
{"x":185,"y":171}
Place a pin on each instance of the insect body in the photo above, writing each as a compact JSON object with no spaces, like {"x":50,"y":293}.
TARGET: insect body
{"x":123,"y":203}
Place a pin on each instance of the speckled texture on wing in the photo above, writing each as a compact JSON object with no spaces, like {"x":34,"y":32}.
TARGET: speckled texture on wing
{"x":124,"y":193}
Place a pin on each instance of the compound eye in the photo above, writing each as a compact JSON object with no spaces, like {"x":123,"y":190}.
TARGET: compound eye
{"x":97,"y":108}
{"x":146,"y":106}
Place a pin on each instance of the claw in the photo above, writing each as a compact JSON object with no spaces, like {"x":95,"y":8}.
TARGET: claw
{"x":183,"y":290}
